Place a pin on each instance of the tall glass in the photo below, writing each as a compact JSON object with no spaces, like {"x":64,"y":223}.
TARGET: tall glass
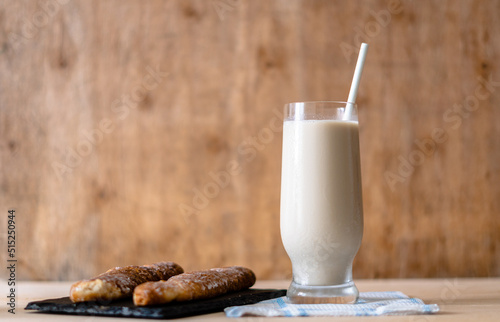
{"x":321,"y":203}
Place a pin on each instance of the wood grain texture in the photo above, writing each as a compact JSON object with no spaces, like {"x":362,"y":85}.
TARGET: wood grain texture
{"x":116,"y":116}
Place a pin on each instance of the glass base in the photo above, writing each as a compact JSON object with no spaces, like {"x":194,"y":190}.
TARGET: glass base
{"x":338,"y":294}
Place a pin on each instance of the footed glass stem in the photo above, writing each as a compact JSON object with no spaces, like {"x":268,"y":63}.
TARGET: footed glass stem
{"x":336,"y":294}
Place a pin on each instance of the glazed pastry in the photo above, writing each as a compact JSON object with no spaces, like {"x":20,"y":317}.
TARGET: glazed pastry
{"x":119,"y":282}
{"x":195,"y":286}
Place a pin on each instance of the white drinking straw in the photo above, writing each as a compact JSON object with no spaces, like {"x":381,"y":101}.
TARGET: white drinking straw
{"x":355,"y":81}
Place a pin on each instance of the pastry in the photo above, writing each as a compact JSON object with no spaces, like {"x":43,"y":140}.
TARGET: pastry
{"x":194,"y":285}
{"x":119,"y":282}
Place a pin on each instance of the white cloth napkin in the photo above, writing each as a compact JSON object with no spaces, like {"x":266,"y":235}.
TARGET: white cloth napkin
{"x":369,"y":304}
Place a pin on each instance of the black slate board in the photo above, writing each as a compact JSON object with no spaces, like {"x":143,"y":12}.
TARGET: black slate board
{"x":126,"y":308}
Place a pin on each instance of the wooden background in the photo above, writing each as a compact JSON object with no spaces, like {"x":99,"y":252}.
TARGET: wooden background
{"x":139,"y":131}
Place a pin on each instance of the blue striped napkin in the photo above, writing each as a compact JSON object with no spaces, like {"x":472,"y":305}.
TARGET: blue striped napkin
{"x":369,"y":304}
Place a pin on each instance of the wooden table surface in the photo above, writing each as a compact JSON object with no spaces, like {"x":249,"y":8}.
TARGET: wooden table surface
{"x":459,"y":300}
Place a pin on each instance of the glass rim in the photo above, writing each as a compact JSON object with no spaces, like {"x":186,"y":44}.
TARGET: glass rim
{"x":321,"y":102}
{"x":320,"y":110}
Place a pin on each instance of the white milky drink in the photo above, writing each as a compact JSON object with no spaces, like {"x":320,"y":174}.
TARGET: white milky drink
{"x":321,"y":202}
